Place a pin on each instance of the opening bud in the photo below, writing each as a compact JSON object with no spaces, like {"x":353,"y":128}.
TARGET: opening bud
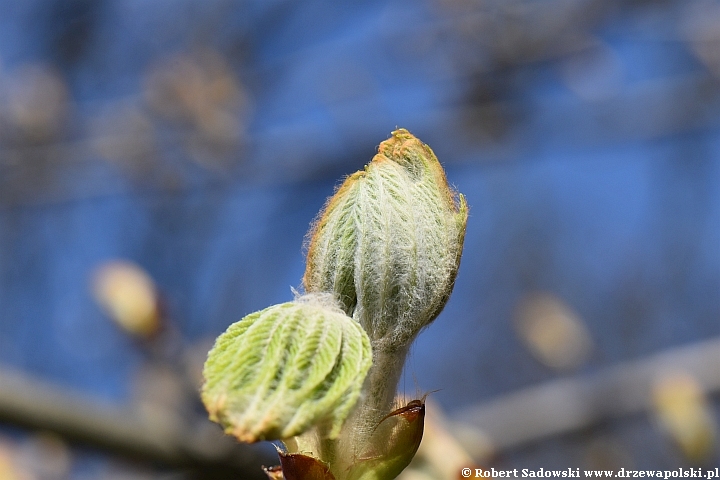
{"x":388,"y":243}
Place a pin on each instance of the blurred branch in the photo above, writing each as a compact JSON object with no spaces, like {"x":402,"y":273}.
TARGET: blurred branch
{"x":199,"y":448}
{"x":567,"y":405}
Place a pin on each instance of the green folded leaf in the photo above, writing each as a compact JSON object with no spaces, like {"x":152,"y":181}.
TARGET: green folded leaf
{"x":278,"y":372}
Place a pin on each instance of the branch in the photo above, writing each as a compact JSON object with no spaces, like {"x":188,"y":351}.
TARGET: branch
{"x":199,"y":447}
{"x":567,"y":405}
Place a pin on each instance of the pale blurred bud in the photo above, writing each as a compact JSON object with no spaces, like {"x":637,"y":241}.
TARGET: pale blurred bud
{"x":129,"y":297}
{"x":684,"y":413}
{"x":554,"y":334}
{"x":200,"y":90}
{"x":8,"y":468}
{"x":38,"y":101}
{"x":388,"y":243}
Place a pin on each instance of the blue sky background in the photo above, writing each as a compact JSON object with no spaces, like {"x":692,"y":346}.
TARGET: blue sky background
{"x":585,"y":136}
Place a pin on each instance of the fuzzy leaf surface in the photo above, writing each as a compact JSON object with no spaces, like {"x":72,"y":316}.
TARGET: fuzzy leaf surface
{"x":388,"y":243}
{"x":281,"y":370}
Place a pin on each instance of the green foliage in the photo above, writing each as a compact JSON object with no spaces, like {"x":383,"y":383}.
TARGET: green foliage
{"x":277,"y":372}
{"x":320,"y":373}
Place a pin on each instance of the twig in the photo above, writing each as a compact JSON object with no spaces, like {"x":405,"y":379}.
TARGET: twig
{"x":199,"y":448}
{"x":567,"y":405}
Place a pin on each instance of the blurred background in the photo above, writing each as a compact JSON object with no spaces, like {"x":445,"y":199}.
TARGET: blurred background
{"x":161,"y":162}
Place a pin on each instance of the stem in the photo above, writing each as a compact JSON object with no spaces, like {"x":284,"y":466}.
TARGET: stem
{"x":328,"y":450}
{"x":376,"y":402}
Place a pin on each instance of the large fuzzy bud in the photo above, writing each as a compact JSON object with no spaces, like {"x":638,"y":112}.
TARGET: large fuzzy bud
{"x":388,"y":243}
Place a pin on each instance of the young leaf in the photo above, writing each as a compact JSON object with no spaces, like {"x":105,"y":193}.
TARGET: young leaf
{"x":277,"y":372}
